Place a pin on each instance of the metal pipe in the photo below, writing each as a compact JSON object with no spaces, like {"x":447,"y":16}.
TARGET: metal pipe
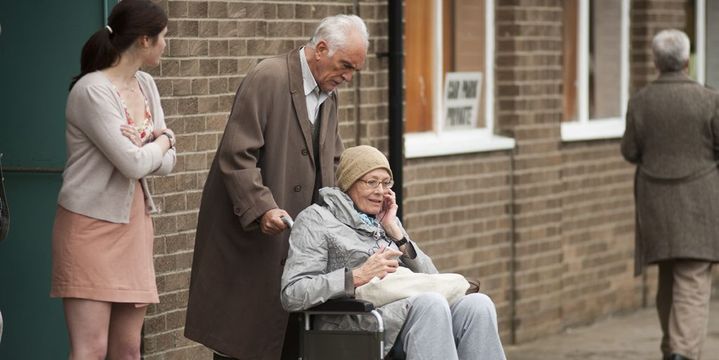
{"x":513,"y":241}
{"x":105,"y":11}
{"x":357,"y":82}
{"x":380,"y":322}
{"x":380,"y":329}
{"x":19,"y":169}
{"x":396,"y":124}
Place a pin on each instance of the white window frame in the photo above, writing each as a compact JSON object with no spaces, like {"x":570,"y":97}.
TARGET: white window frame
{"x":439,"y":142}
{"x":585,"y":128}
{"x":701,"y":44}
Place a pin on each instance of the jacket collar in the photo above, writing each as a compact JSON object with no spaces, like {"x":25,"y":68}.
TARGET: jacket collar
{"x":300,"y":103}
{"x":342,"y":207}
{"x":673,"y":77}
{"x":298,"y":98}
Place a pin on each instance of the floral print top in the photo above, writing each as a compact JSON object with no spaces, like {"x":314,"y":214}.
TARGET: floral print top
{"x":144,"y":127}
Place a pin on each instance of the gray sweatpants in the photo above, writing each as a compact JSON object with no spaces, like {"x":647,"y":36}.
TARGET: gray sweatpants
{"x":467,"y":330}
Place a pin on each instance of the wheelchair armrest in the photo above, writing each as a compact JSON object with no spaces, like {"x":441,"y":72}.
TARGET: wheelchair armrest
{"x":343,"y":305}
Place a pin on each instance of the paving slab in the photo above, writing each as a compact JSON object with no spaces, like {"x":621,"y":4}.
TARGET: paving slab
{"x":634,"y":336}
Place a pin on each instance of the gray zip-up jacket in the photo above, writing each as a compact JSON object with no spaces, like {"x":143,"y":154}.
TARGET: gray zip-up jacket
{"x":328,"y":240}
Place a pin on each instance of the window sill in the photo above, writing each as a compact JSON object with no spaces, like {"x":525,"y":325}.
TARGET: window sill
{"x":612,"y":128}
{"x":428,"y":144}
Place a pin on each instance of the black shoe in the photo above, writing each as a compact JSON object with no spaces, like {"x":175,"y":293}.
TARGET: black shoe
{"x":675,"y":356}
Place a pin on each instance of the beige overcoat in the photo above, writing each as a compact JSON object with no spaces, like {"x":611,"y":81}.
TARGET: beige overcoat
{"x":672,"y":135}
{"x":265,"y":160}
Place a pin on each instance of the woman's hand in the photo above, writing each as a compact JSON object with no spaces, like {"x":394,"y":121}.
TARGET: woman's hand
{"x":168,"y":140}
{"x":388,"y":215}
{"x":157,"y":132}
{"x":131,"y":133}
{"x":381,"y":263}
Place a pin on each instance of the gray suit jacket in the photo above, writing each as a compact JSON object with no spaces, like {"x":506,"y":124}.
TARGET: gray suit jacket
{"x":672,"y":135}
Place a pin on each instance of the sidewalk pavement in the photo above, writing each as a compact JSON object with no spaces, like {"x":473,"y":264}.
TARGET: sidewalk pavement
{"x":634,"y":336}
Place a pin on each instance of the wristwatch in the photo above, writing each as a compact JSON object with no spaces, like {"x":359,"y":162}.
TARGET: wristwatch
{"x":401,"y":241}
{"x":170,"y":137}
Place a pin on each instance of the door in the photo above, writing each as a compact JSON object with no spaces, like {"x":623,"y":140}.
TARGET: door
{"x":40,"y":43}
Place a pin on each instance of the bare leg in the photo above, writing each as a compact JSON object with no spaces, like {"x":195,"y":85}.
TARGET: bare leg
{"x":87,"y":323}
{"x":125,"y":331}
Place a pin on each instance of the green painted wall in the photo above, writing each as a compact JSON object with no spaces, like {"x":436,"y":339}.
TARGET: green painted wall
{"x":40,"y":45}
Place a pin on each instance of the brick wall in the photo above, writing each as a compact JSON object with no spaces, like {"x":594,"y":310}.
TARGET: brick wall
{"x":529,"y":109}
{"x":458,"y":210}
{"x":648,"y":17}
{"x":597,"y":233}
{"x":547,"y":227}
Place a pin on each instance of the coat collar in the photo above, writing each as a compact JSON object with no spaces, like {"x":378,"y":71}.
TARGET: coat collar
{"x":342,"y":207}
{"x":300,"y":103}
{"x":298,"y":98}
{"x":674,"y":77}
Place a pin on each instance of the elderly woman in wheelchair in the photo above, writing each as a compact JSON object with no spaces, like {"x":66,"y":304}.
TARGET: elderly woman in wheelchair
{"x":353,"y":236}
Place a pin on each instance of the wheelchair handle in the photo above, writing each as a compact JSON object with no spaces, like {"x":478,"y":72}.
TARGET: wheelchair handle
{"x":287,"y":220}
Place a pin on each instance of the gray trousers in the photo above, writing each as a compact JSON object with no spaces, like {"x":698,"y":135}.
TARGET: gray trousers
{"x":683,"y":305}
{"x":467,"y":330}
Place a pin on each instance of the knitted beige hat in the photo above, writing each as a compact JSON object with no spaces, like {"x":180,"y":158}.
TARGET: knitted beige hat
{"x":357,"y":161}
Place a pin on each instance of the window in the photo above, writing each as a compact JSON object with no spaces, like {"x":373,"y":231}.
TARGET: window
{"x":596,"y":68}
{"x":705,"y":41}
{"x":711,"y":44}
{"x":450,"y":42}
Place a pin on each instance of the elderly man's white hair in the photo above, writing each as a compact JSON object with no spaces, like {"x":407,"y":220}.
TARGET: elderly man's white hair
{"x":336,"y":31}
{"x":671,"y":50}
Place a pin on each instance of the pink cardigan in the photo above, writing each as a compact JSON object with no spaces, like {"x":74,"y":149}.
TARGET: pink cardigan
{"x":102,"y":164}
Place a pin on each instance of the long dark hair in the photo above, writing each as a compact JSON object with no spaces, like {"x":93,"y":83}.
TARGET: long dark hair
{"x":129,"y":20}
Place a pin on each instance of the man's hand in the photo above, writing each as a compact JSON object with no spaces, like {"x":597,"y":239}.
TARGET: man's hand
{"x":381,"y":263}
{"x":271,"y":222}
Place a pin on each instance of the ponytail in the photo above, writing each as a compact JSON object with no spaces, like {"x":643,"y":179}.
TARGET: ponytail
{"x":98,"y":53}
{"x":129,"y":20}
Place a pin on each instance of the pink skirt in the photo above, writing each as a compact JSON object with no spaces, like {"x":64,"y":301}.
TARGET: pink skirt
{"x":104,"y":261}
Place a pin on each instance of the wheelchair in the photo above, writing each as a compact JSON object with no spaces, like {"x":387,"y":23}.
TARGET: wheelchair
{"x":315,"y":344}
{"x":318,"y":344}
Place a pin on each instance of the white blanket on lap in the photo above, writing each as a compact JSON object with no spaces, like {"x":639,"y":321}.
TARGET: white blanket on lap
{"x":404,"y":283}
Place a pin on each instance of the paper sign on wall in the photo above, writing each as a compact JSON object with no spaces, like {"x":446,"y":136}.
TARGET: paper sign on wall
{"x":461,"y":99}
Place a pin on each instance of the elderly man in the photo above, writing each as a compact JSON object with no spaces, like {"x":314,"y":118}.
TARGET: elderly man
{"x":281,"y":145}
{"x":672,"y":135}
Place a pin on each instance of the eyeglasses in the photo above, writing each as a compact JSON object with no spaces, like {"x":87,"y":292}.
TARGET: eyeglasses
{"x":374,"y":183}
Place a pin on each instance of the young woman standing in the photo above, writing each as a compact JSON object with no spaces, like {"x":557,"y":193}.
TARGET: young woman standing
{"x":103,"y":234}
